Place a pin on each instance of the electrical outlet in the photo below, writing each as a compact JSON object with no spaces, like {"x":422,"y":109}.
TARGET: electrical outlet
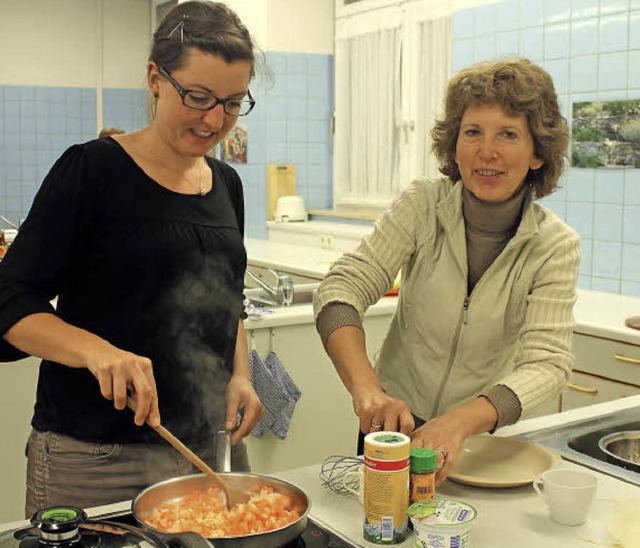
{"x":326,"y":241}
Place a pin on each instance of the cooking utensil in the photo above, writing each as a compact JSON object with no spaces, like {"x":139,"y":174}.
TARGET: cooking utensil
{"x":152,"y":497}
{"x":622,"y":449}
{"x":191,"y":457}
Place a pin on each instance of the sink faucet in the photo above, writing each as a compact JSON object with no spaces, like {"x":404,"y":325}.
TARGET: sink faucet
{"x":282,"y":293}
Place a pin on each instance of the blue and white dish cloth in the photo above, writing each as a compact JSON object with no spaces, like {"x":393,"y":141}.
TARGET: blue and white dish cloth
{"x":277,"y":391}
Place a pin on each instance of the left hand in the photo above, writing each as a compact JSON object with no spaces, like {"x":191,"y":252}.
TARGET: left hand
{"x":242,"y":397}
{"x":443,"y":436}
{"x":447,"y":433}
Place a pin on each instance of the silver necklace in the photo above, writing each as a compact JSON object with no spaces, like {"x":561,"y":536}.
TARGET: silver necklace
{"x":201,"y":189}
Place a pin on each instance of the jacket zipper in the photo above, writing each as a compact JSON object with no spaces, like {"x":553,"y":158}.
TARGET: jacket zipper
{"x":452,"y":355}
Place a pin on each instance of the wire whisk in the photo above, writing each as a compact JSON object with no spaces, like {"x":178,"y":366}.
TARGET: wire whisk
{"x":335,"y":474}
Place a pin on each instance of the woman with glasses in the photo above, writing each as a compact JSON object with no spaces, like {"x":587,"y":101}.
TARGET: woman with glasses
{"x":140,"y":237}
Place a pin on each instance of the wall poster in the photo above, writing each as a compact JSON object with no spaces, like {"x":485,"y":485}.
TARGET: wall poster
{"x":606,"y":134}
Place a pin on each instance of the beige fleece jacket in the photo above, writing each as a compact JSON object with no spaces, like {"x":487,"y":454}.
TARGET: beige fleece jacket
{"x":445,"y":347}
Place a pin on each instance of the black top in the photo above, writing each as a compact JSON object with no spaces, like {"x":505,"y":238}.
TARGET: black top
{"x":152,"y":271}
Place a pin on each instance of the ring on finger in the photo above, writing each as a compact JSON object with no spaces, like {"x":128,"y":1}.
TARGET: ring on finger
{"x":376,"y":426}
{"x":444,"y":453}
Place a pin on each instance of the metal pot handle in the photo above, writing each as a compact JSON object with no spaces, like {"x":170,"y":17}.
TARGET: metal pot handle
{"x":187,"y":540}
{"x":223,"y":451}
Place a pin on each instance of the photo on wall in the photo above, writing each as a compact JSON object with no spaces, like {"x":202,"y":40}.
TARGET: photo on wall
{"x":233,"y":149}
{"x":606,"y":134}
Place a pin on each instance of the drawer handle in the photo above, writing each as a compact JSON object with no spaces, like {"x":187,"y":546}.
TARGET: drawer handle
{"x":621,"y":358}
{"x":584,"y":389}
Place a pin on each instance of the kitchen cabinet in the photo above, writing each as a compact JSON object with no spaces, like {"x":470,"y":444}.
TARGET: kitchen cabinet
{"x":17,"y":396}
{"x":323,"y":422}
{"x":584,"y":389}
{"x":605,"y":369}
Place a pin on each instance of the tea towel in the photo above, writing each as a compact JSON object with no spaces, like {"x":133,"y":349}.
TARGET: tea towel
{"x":276,"y":390}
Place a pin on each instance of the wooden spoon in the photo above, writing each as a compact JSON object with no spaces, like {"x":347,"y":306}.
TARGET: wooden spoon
{"x":189,"y":455}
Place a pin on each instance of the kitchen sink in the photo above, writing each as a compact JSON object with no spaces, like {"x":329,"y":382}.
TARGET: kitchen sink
{"x":302,"y":294}
{"x":578,"y":441}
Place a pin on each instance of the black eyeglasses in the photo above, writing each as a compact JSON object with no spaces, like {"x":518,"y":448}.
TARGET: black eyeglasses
{"x":201,"y":100}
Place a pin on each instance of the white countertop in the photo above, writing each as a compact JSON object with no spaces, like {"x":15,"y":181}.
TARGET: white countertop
{"x":507,"y":517}
{"x":597,"y":313}
{"x":603,"y":315}
{"x":297,"y":259}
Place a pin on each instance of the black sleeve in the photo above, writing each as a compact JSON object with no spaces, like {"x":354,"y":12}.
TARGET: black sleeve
{"x":33,"y":270}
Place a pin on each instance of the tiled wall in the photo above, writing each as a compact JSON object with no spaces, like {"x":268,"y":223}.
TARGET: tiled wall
{"x":39,"y":123}
{"x":592,"y":50}
{"x":290,"y":124}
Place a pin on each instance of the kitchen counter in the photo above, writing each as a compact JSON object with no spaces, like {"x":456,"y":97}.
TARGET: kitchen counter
{"x":597,"y":313}
{"x":516,"y":514}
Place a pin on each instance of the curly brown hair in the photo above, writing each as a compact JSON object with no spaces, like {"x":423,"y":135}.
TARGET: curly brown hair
{"x":520,"y":87}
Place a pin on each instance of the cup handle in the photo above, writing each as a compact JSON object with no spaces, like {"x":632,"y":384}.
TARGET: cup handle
{"x":538,"y":486}
{"x":346,"y":477}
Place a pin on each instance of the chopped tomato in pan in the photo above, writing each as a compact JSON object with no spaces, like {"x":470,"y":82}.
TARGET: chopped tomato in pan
{"x":204,"y":513}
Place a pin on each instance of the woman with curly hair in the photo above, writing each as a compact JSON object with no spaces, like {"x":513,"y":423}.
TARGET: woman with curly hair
{"x":482,"y":331}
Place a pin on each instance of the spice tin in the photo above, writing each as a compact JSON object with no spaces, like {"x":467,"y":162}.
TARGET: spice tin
{"x":386,"y":487}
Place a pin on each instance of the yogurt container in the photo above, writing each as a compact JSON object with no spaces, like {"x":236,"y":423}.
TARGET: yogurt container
{"x":442,"y":523}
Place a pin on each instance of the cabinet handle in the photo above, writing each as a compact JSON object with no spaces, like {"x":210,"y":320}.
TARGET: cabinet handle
{"x":584,"y":389}
{"x":621,"y":358}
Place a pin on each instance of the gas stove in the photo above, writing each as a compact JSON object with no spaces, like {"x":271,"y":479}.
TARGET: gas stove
{"x":315,"y":535}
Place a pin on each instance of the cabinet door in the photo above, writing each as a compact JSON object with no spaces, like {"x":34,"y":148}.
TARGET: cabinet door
{"x":584,"y":389}
{"x":323,"y":422}
{"x":17,"y":395}
{"x":614,"y":360}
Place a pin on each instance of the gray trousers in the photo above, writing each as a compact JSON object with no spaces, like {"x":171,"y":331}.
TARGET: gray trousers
{"x":62,"y":470}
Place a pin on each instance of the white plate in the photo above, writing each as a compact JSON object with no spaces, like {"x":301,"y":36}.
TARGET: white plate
{"x":491,"y":461}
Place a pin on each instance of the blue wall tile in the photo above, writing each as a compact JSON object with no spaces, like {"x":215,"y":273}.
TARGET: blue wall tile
{"x":607,"y":222}
{"x":612,"y":74}
{"x":585,"y":8}
{"x":530,"y":13}
{"x":556,"y":10}
{"x":507,"y":15}
{"x":632,"y":187}
{"x":556,"y":41}
{"x":609,"y":186}
{"x":631,"y":225}
{"x":584,"y":36}
{"x":580,"y":217}
{"x":582,"y":74}
{"x":607,"y":260}
{"x":614,"y":33}
{"x":532,"y":43}
{"x":631,"y":262}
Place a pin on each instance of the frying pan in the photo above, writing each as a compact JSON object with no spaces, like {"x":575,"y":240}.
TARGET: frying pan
{"x":176,"y":488}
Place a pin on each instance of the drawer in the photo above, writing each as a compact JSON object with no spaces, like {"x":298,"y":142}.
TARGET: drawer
{"x":583,"y":389}
{"x":611,"y":359}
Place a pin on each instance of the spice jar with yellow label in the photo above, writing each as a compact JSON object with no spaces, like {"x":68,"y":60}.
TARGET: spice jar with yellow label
{"x":422,"y":477}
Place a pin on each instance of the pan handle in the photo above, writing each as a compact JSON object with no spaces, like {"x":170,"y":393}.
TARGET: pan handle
{"x":223,"y":451}
{"x":187,"y":540}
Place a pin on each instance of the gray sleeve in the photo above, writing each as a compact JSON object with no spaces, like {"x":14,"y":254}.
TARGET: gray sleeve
{"x":334,"y":316}
{"x":506,"y":403}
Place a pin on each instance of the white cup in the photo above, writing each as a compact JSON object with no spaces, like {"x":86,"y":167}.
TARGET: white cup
{"x":354,"y":482}
{"x":568,"y":493}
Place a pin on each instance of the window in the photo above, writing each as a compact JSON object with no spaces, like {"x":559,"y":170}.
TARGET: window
{"x":392,"y":67}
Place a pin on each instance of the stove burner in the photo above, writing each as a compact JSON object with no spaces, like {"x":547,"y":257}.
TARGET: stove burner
{"x":314,"y":535}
